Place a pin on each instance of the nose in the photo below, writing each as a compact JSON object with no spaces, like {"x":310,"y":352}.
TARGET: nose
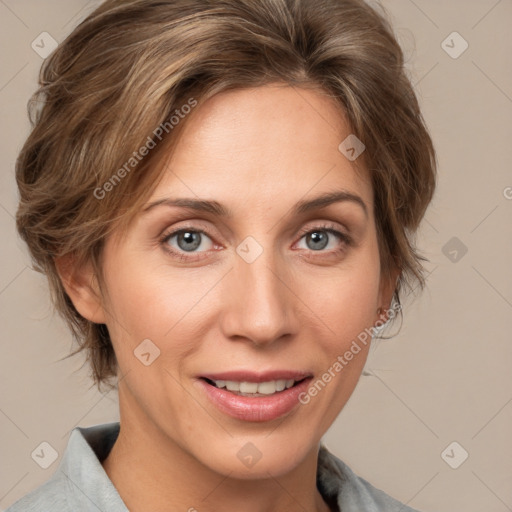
{"x":259,"y":303}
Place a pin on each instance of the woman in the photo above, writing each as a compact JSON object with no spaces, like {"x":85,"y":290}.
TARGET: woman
{"x":282,"y":141}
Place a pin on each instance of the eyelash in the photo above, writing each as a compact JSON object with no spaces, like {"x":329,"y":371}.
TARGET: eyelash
{"x":328,"y":228}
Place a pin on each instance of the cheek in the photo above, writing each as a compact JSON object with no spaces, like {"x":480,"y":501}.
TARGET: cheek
{"x":345,"y":301}
{"x":347,"y":309}
{"x":159,"y":304}
{"x":148,"y":300}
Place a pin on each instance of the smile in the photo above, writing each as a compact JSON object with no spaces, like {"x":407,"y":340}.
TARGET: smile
{"x":254,"y":388}
{"x":242,"y":398}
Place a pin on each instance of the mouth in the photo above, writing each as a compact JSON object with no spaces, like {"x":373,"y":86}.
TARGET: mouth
{"x":248,"y":396}
{"x":254,"y":389}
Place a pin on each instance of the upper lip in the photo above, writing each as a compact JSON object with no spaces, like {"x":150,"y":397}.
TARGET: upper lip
{"x":249,"y":376}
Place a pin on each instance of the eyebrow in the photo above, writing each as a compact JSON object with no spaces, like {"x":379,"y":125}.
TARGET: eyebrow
{"x":303,"y":206}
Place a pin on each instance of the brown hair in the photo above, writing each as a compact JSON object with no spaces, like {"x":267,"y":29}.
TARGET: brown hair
{"x":113,"y":86}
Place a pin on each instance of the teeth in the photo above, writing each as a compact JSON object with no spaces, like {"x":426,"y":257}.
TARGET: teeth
{"x":248,"y":387}
{"x":263,"y":388}
{"x":232,"y":386}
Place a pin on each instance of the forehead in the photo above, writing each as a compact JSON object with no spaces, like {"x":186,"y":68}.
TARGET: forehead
{"x":263,"y":146}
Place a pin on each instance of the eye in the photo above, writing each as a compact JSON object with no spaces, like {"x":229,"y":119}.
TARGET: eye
{"x":187,"y":240}
{"x":320,"y":237}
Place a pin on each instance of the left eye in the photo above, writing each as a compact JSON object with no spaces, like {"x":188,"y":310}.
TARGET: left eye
{"x":318,"y":239}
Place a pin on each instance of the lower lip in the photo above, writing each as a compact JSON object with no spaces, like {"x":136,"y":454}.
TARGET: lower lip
{"x":258,"y":408}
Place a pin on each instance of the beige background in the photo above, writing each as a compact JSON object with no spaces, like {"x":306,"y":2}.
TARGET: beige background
{"x":446,"y":377}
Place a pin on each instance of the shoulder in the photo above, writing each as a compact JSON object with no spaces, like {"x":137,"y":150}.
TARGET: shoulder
{"x":353,"y":493}
{"x":49,"y":496}
{"x":79,"y":481}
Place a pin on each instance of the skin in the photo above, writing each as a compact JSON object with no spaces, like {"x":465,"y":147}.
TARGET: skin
{"x":258,"y":152}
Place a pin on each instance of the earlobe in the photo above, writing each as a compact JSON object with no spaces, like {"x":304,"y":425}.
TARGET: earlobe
{"x":81,"y":286}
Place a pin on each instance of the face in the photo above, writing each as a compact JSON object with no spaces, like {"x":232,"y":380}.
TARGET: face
{"x":274,"y":285}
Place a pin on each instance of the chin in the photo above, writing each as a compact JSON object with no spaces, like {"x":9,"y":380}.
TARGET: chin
{"x":253,"y":457}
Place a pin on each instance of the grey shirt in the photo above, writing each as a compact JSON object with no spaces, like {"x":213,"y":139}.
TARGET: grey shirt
{"x":81,"y":484}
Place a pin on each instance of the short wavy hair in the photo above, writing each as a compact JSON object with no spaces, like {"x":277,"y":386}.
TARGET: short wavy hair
{"x":114,"y":85}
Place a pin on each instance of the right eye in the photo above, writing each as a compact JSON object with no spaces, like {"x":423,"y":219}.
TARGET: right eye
{"x":186,"y":240}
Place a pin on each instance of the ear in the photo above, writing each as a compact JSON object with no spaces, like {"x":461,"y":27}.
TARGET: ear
{"x":387,"y":289}
{"x":82,"y":287}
